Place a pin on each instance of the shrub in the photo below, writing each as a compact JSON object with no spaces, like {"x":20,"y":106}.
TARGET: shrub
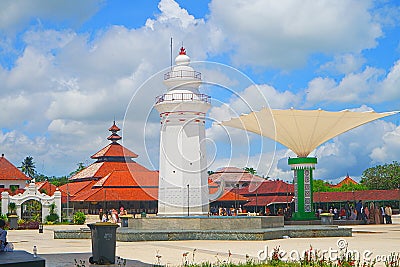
{"x":4,"y":217}
{"x":29,"y":225}
{"x":12,"y":207}
{"x":52,"y":217}
{"x":79,"y":218}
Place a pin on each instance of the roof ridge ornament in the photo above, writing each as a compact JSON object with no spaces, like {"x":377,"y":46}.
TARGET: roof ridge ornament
{"x":182,"y":51}
{"x":114,"y":137}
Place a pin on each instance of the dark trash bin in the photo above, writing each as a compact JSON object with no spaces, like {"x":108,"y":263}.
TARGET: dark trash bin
{"x":143,"y":214}
{"x":103,"y":242}
{"x":13,"y":221}
{"x":124,"y":220}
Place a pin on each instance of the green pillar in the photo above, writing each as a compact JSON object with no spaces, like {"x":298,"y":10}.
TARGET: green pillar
{"x":303,"y":193}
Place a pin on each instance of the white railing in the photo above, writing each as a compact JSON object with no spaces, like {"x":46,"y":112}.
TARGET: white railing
{"x":182,"y":74}
{"x":183,"y":97}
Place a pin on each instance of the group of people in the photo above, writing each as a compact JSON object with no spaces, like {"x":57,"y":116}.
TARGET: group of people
{"x":362,"y":212}
{"x":226,"y":211}
{"x":112,"y":215}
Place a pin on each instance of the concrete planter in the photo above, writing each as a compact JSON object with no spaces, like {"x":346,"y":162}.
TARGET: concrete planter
{"x":13,"y":221}
{"x":326,"y":218}
{"x":124,"y":220}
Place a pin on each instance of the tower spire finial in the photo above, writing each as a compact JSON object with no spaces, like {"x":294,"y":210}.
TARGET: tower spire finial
{"x":183,"y":51}
{"x":114,"y":137}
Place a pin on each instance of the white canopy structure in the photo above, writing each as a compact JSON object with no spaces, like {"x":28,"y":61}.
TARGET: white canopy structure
{"x":302,"y":130}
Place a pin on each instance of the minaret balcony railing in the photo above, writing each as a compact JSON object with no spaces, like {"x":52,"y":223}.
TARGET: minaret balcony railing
{"x":182,"y":74}
{"x":183,"y":97}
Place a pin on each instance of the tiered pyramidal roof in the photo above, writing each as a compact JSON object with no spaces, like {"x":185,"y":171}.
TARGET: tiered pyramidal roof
{"x":113,"y":157}
{"x":115,"y":171}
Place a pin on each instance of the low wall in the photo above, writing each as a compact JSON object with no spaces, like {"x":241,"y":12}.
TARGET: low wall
{"x":127,"y":234}
{"x":205,"y":223}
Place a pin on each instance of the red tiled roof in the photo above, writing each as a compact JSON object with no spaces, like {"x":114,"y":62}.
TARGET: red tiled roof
{"x":127,"y":178}
{"x":75,"y":187}
{"x":231,"y":196}
{"x":118,"y":194}
{"x":114,"y":137}
{"x":49,"y":187}
{"x":234,"y":175}
{"x":365,"y":195}
{"x":346,"y":180}
{"x":101,"y":169}
{"x":228,"y":195}
{"x":114,"y":128}
{"x":18,"y":191}
{"x":268,"y":187}
{"x":9,"y":172}
{"x":114,"y":150}
{"x":269,"y":200}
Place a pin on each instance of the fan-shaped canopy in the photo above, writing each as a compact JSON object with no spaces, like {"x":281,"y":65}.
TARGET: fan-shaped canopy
{"x":302,"y":130}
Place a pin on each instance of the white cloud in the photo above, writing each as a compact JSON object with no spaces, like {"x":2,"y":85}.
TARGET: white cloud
{"x":357,"y":150}
{"x":285,"y":33}
{"x":369,"y":86}
{"x":15,"y":14}
{"x":170,"y":10}
{"x":390,"y":149}
{"x":254,"y":98}
{"x":344,"y":63}
{"x":389,"y":89}
{"x":354,"y":88}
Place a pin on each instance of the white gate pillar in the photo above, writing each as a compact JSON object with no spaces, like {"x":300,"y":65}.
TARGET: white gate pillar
{"x":18,"y":209}
{"x":57,"y":201}
{"x":5,"y":201}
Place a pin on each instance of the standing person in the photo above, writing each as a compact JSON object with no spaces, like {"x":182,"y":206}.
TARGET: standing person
{"x":359,"y":209}
{"x":388,"y":214}
{"x":377,"y":215}
{"x":366,"y":214}
{"x":101,"y":214}
{"x":347,"y":209}
{"x":335,"y":213}
{"x":371,"y":212}
{"x":382,"y":215}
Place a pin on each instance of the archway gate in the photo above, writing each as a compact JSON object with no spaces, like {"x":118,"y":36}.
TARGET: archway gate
{"x":32,"y":193}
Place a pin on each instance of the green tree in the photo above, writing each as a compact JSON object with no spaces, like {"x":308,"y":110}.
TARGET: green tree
{"x":351,"y":187}
{"x":81,"y":166}
{"x":58,"y":181}
{"x":28,"y":167}
{"x":321,"y":186}
{"x":40,"y":177}
{"x":382,"y":177}
{"x":250,"y":170}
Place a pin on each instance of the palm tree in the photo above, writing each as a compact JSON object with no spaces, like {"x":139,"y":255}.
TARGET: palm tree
{"x":28,"y":166}
{"x":250,"y":170}
{"x":81,"y":166}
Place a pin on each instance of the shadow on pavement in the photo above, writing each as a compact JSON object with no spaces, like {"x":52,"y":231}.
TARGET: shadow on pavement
{"x":68,"y":259}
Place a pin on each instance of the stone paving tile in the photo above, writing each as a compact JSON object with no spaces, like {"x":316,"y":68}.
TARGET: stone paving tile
{"x":380,"y":239}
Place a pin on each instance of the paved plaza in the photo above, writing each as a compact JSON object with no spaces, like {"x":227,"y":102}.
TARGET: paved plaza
{"x":368,"y":240}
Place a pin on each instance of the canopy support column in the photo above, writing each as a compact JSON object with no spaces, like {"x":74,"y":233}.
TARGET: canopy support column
{"x":303,"y":193}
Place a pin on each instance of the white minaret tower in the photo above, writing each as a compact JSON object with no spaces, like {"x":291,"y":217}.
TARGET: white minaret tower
{"x":183,"y":179}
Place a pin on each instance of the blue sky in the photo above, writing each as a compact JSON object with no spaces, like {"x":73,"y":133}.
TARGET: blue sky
{"x":68,"y":68}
